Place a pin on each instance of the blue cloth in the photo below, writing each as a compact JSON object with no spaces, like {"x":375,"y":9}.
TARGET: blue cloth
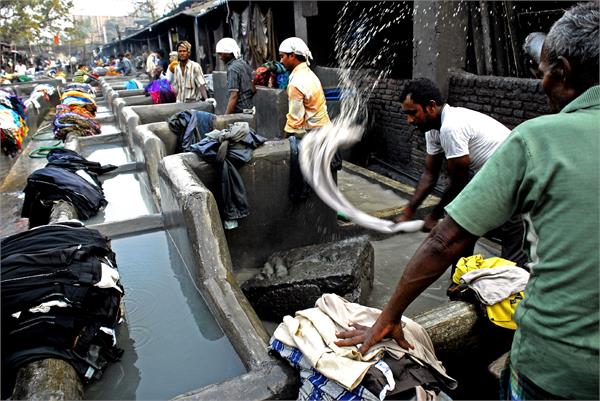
{"x":315,"y":386}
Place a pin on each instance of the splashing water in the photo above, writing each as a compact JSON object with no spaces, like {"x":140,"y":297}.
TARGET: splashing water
{"x":352,"y":38}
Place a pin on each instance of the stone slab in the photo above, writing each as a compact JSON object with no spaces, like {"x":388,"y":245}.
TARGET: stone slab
{"x":293,"y":280}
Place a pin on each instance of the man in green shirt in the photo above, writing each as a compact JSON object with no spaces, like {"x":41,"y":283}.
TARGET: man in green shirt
{"x":548,"y":170}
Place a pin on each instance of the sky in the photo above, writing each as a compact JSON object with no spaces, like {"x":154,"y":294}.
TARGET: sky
{"x":112,"y":8}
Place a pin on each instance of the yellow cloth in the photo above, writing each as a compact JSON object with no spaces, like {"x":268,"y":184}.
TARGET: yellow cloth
{"x":173,"y":65}
{"x":502,"y":314}
{"x":477,"y":262}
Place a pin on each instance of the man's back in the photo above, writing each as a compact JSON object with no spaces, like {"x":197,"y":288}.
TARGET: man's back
{"x":466,"y":132}
{"x":304,"y":86}
{"x":239,"y":77}
{"x":548,"y":169}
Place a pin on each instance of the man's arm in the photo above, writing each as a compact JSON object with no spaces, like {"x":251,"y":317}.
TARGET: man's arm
{"x":233,"y":98}
{"x":440,"y":249}
{"x":433,"y":165}
{"x":458,"y":173}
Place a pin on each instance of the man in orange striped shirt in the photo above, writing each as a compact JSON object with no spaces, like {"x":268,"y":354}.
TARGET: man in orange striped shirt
{"x":307,"y":108}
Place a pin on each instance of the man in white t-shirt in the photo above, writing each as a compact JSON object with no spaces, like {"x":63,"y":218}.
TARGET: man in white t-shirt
{"x":20,"y":69}
{"x":467,"y":139}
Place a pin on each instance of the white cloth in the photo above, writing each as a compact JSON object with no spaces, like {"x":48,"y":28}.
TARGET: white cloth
{"x":313,"y":332}
{"x":495,"y":284}
{"x":109,"y":278}
{"x":466,"y":132}
{"x":228,"y":45}
{"x":296,"y":46}
{"x":316,"y":153}
{"x":151,"y":62}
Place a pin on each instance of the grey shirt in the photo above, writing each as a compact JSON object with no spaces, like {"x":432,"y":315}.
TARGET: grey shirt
{"x":239,"y":79}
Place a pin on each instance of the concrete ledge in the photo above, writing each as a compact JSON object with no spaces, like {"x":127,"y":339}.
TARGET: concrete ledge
{"x":120,"y":103}
{"x":112,"y":94}
{"x":271,"y":109}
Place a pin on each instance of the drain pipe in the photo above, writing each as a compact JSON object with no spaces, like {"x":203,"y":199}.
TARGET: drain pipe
{"x":50,"y":379}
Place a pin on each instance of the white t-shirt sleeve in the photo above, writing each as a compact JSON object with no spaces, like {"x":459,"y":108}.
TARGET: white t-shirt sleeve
{"x":432,"y":140}
{"x":454,"y":141}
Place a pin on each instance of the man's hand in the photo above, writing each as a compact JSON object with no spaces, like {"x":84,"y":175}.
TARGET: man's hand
{"x":369,"y":336}
{"x":406,"y":214}
{"x":430,"y":222}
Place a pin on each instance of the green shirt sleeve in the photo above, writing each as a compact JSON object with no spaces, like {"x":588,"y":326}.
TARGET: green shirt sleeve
{"x":494,"y":195}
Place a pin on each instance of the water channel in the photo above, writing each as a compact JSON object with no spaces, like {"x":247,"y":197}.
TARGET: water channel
{"x":172,"y":342}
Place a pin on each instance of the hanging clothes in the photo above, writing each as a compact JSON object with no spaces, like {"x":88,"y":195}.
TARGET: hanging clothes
{"x":13,"y":122}
{"x":229,"y":149}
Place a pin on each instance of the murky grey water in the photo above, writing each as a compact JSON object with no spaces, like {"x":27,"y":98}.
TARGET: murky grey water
{"x":172,"y":342}
{"x":128,"y":197}
{"x":365,"y":195}
{"x":111,"y":153}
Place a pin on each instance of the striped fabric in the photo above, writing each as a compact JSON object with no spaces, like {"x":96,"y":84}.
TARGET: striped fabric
{"x":187,"y":83}
{"x":315,"y":386}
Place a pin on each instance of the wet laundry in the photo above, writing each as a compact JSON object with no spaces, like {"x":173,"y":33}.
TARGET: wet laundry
{"x":61,"y":295}
{"x":161,"y":91}
{"x":497,"y":284}
{"x":69,"y":177}
{"x":229,"y":149}
{"x":313,"y":332}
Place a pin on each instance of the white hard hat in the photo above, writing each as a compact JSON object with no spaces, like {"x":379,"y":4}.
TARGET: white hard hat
{"x":228,"y":45}
{"x":296,"y":46}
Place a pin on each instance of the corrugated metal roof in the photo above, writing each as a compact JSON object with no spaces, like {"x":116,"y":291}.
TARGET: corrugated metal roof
{"x":195,"y":10}
{"x":198,"y":10}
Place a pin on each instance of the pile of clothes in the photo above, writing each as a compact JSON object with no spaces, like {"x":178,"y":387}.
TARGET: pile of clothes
{"x":13,"y":122}
{"x":41,"y":92}
{"x":77,"y":113}
{"x":272,"y":74}
{"x":61,"y":295}
{"x":161,"y":91}
{"x":386,"y":371}
{"x":497,"y":285}
{"x":67,"y":176}
{"x":226,"y":149}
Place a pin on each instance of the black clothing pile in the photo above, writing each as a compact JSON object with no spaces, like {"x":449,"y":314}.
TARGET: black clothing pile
{"x":70,"y":177}
{"x":61,"y":298}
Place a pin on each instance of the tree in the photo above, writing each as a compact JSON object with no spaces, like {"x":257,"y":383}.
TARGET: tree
{"x":145,"y":9}
{"x":34,"y":21}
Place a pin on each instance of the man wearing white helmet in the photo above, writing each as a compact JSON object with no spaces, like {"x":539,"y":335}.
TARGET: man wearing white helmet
{"x":307,"y":108}
{"x":239,"y":77}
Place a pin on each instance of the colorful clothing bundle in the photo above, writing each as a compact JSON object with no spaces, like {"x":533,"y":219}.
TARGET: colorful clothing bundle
{"x":13,"y":122}
{"x":76,"y":115}
{"x":161,"y":91}
{"x":272,"y":74}
{"x":85,"y":88}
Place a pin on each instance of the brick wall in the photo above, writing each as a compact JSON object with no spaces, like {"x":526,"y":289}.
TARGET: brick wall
{"x":509,"y":100}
